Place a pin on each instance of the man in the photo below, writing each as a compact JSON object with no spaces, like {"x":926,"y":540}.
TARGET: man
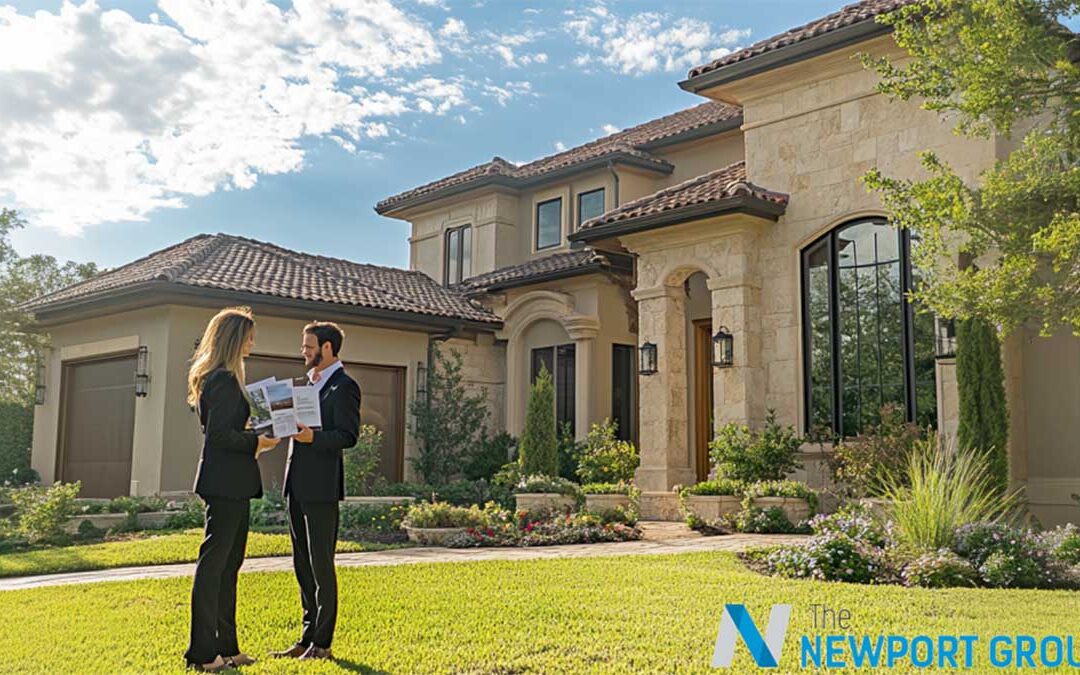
{"x":315,"y":483}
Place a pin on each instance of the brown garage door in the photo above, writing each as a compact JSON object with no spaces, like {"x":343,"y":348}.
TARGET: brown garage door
{"x":98,"y":425}
{"x":382,"y":404}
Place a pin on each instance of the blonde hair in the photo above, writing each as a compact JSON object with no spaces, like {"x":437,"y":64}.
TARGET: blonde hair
{"x":221,"y":346}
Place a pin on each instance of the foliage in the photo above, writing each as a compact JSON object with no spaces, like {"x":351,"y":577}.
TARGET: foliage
{"x":441,"y":514}
{"x":1009,"y":557}
{"x":568,"y":451}
{"x":864,"y":463}
{"x":268,"y":510}
{"x":134,"y":505}
{"x":716,"y":487}
{"x":538,"y":483}
{"x":42,"y":511}
{"x":938,"y":569}
{"x":853,"y":522}
{"x":16,"y":434}
{"x":362,"y":460}
{"x":996,"y":67}
{"x":1063,"y":543}
{"x":372,"y":522}
{"x":756,"y":520}
{"x":944,"y":488}
{"x":752,"y":455}
{"x":546,"y":529}
{"x":490,"y":456}
{"x":781,"y":488}
{"x":604,"y":458}
{"x":539,"y":451}
{"x":191,"y":513}
{"x":620,"y":488}
{"x":449,"y":422}
{"x":832,"y":556}
{"x":980,"y":382}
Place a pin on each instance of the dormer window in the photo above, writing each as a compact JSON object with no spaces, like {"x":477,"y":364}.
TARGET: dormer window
{"x":458,"y":255}
{"x":590,"y":205}
{"x":549,"y":223}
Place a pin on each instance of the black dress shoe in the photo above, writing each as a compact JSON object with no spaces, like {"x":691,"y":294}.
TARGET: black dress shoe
{"x":314,"y":652}
{"x":294,"y":652}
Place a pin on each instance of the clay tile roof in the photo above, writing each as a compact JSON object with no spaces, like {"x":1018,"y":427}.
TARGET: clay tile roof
{"x":856,"y":13}
{"x":724,"y":183}
{"x":556,"y":265}
{"x":232,"y":263}
{"x":632,"y":144}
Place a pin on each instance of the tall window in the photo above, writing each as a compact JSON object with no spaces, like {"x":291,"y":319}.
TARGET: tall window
{"x":458,"y":255}
{"x":549,"y":223}
{"x":590,"y":205}
{"x":623,"y":378}
{"x":865,"y":346}
{"x":560,"y":362}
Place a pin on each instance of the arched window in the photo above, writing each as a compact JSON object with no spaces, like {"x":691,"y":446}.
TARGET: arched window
{"x":865,"y":346}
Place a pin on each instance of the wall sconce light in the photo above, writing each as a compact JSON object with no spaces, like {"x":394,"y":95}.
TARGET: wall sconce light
{"x":723,"y":348}
{"x":421,"y":381}
{"x":647,"y":359}
{"x":142,"y":372}
{"x":39,"y":386}
{"x":944,"y":338}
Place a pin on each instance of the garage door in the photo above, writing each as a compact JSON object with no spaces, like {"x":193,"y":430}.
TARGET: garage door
{"x":382,"y":404}
{"x":98,"y":425}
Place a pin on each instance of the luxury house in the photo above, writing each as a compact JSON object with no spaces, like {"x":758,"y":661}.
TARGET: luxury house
{"x":697,"y":269}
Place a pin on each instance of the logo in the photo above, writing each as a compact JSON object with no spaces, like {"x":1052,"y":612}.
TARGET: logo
{"x":736,"y":621}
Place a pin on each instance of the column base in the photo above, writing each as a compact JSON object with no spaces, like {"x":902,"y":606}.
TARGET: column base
{"x":659,"y":506}
{"x":664,"y":478}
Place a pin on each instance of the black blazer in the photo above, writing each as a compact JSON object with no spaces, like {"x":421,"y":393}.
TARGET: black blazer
{"x":227,"y":466}
{"x":315,"y":472}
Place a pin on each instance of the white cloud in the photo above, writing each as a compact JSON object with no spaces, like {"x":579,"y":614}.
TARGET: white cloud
{"x":454,"y":29}
{"x":560,"y":146}
{"x":609,"y":129}
{"x":509,"y":90}
{"x":107,"y":118}
{"x":647,"y":41}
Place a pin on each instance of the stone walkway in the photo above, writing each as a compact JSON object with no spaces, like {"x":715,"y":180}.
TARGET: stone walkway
{"x":660,"y":538}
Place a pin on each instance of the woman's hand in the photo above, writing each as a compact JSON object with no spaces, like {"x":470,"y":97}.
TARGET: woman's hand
{"x":266,"y":444}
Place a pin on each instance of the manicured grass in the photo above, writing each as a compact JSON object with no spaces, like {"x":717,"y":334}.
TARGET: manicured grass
{"x":160,"y":549}
{"x":632,"y":614}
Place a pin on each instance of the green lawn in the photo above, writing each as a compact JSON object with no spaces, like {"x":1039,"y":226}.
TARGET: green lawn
{"x":161,"y":549}
{"x":628,"y":614}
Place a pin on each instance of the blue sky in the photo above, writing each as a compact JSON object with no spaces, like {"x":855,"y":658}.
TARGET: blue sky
{"x":143,"y":123}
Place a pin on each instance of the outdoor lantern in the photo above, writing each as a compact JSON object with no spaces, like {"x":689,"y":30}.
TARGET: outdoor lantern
{"x":723,"y":348}
{"x":39,"y":388}
{"x":648,"y":359}
{"x":945,"y":338}
{"x":142,"y":372}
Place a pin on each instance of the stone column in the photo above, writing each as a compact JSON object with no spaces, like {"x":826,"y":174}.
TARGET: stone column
{"x":739,"y":391}
{"x":583,"y":331}
{"x":662,"y":397}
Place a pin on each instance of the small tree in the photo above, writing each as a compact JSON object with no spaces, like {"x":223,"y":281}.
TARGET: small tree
{"x":362,"y":460}
{"x":539,"y":445}
{"x":449,"y":423}
{"x":606,"y":459}
{"x":980,"y":382}
{"x":769,"y":453}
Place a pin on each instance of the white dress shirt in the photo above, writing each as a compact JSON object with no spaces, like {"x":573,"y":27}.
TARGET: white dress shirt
{"x":324,"y":376}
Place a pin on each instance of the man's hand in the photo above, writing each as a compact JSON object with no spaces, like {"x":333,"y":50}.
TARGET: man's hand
{"x":305,"y":435}
{"x":266,"y":444}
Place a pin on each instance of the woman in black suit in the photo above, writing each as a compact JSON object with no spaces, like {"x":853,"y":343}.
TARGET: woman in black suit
{"x":227,"y":479}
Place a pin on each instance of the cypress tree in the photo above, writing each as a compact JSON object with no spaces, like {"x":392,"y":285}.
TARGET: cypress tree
{"x":980,"y":379}
{"x":539,"y":445}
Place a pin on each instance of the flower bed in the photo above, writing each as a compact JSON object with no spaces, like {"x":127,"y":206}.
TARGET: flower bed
{"x":545,"y":492}
{"x":545,"y":529}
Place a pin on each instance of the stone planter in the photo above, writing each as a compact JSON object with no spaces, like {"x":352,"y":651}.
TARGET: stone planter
{"x":713,"y":507}
{"x":606,"y":502}
{"x":432,"y":536}
{"x":104,"y":521}
{"x":796,"y":509}
{"x":380,"y":501}
{"x":533,"y":501}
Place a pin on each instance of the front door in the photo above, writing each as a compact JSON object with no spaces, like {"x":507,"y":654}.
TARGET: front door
{"x":703,"y":396}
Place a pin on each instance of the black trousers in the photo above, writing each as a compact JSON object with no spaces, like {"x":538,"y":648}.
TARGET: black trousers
{"x":313,"y":527}
{"x":213,"y":594}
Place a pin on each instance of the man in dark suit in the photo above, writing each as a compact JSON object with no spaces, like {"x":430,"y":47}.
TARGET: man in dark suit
{"x":315,"y":483}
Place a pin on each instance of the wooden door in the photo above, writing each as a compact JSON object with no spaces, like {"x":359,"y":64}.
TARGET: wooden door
{"x":98,"y":425}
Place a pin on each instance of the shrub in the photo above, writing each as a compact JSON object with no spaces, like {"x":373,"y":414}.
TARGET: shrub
{"x":1009,"y":557}
{"x":782,"y":488}
{"x":490,"y":456}
{"x":465,"y":492}
{"x":545,"y":528}
{"x":939,"y":569}
{"x":508,"y":476}
{"x":547,"y":484}
{"x":372,"y":521}
{"x":404,"y":489}
{"x":135,"y":505}
{"x":190,"y":513}
{"x":769,"y":453}
{"x":362,"y":460}
{"x":16,"y":432}
{"x":852,"y":522}
{"x":772,"y":520}
{"x":829,"y":557}
{"x":980,"y":381}
{"x":1063,"y":543}
{"x":538,"y":441}
{"x":441,"y":514}
{"x":23,"y":475}
{"x":268,"y":510}
{"x":41,"y":512}
{"x":604,"y":458}
{"x":620,"y":488}
{"x":942,"y":490}
{"x":863,"y":464}
{"x":568,"y":451}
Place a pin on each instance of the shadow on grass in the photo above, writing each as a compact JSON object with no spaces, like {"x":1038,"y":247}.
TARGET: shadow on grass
{"x":354,"y":667}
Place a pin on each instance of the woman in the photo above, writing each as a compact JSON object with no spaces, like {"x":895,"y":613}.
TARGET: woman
{"x":227,"y":479}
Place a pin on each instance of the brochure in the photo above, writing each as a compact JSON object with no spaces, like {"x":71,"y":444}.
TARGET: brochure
{"x":279,"y":394}
{"x":279,"y":404}
{"x":260,"y":408}
{"x":306,"y":405}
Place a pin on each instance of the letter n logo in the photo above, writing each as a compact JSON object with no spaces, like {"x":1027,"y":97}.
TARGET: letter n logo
{"x":765,"y":650}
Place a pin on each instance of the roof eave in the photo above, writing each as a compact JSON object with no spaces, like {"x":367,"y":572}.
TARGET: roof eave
{"x":783,"y":56}
{"x":749,"y":205}
{"x":661,"y":167}
{"x":695,"y":134}
{"x":624,"y":266}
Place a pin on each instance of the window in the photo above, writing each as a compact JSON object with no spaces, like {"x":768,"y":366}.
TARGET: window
{"x":458,"y":255}
{"x":865,"y":346}
{"x":623,"y":378}
{"x":590,"y":205}
{"x":548,"y":223}
{"x":560,"y":361}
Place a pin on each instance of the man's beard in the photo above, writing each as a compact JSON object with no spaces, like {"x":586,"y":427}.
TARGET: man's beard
{"x":315,"y":360}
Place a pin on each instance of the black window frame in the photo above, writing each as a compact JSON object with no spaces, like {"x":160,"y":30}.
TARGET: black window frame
{"x":558,"y":239}
{"x":581,"y":195}
{"x":563,"y":369}
{"x":462,"y":276}
{"x":831,"y":241}
{"x":627,"y":429}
